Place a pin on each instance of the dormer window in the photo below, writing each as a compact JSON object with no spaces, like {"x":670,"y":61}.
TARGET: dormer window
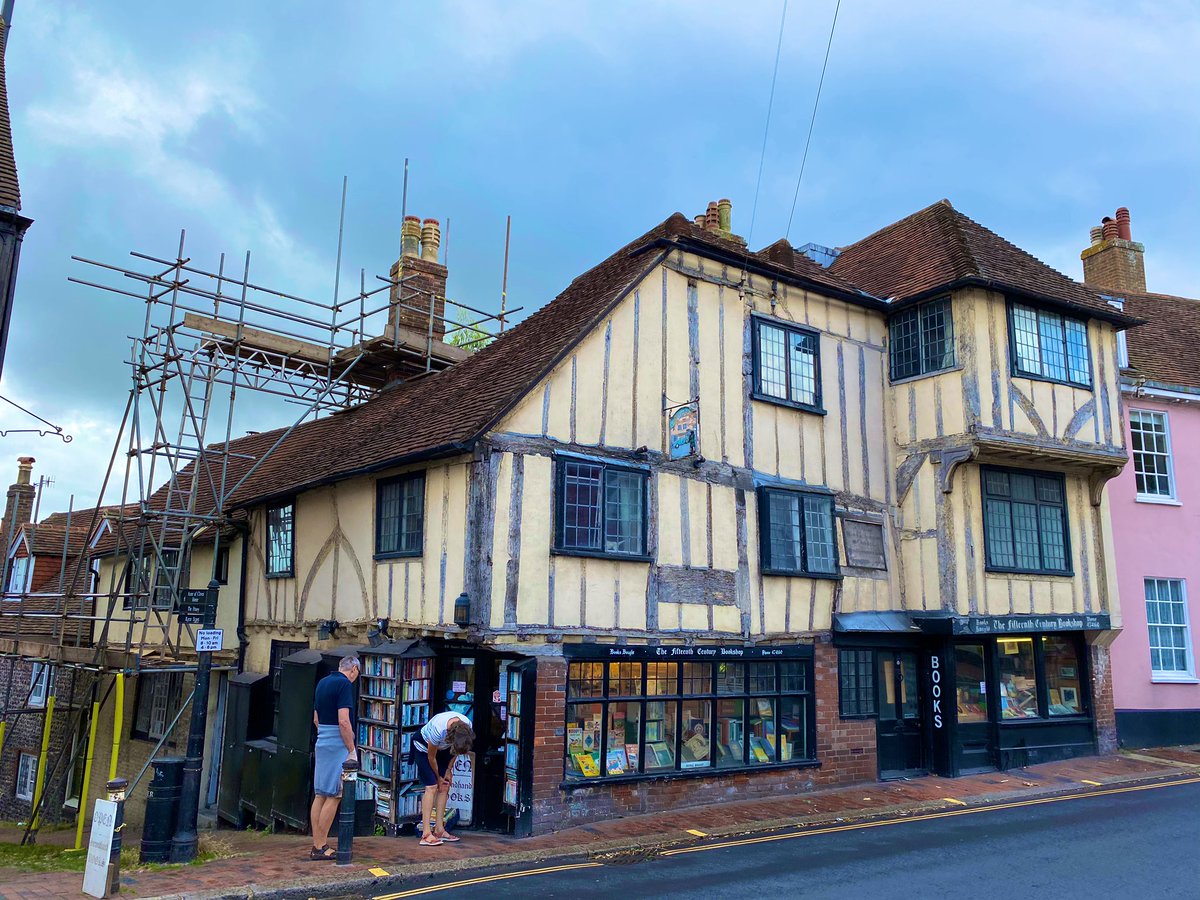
{"x":921,"y":340}
{"x":1049,"y":346}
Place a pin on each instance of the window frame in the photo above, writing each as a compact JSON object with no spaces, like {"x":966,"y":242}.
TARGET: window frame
{"x":223,"y":563}
{"x":1068,"y":555}
{"x":30,"y":779}
{"x":679,"y":697}
{"x":919,"y":311}
{"x":147,"y":683}
{"x":290,"y":572}
{"x":558,"y":548}
{"x":39,"y":684}
{"x":399,"y":481}
{"x":1041,"y":680}
{"x":11,"y":592}
{"x":817,"y":407}
{"x":767,"y":565}
{"x":1171,"y":497}
{"x":1161,"y":675}
{"x":1015,"y":369}
{"x":850,"y":705}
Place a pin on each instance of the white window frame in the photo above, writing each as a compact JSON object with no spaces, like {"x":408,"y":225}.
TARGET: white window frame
{"x":12,"y":589}
{"x":1156,"y":675}
{"x":1171,"y":498}
{"x":27,"y":781}
{"x":39,"y":684}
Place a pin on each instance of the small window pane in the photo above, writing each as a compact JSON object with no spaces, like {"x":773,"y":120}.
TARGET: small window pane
{"x":818,"y":534}
{"x":695,"y":746}
{"x":1063,"y":679}
{"x":784,"y":516}
{"x":659,"y":750}
{"x":279,"y":539}
{"x":998,"y":524}
{"x":937,"y":336}
{"x":1078,"y":364}
{"x":1053,"y":341}
{"x":584,"y":728}
{"x":697,"y":678}
{"x":804,"y":368}
{"x":731,"y":678}
{"x":997,"y":483}
{"x":762,"y":678}
{"x":1018,"y":679}
{"x":792,"y":677}
{"x":1025,"y":535}
{"x":581,"y":506}
{"x":905,"y":345}
{"x":623,"y":515}
{"x":731,"y":733}
{"x":661,"y":678}
{"x":1054,"y":551}
{"x":772,"y":361}
{"x":793,"y":735}
{"x":624,"y":679}
{"x":970,"y":675}
{"x":585,"y":680}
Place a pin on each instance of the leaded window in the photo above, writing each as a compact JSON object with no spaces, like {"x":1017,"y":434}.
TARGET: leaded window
{"x":281,"y":539}
{"x":1050,"y":346}
{"x":856,"y":681}
{"x":601,"y":508}
{"x":400,"y":515}
{"x":1166,"y":620}
{"x":658,"y":718}
{"x":1150,"y":441}
{"x":921,"y":339}
{"x":787,"y":364}
{"x":796,"y":532}
{"x":1025,"y":521}
{"x":26,"y":776}
{"x":158,"y":699}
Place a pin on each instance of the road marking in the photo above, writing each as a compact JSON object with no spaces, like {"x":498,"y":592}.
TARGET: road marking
{"x":952,"y":800}
{"x":379,"y":873}
{"x":697,"y":833}
{"x":923,"y":818}
{"x":1085,"y":781}
{"x":416,"y":892}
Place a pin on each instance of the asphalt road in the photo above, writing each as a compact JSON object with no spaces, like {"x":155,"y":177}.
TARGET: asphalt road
{"x":1135,"y":844}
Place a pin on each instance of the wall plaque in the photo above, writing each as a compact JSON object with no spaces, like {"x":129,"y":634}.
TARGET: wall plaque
{"x":864,"y":544}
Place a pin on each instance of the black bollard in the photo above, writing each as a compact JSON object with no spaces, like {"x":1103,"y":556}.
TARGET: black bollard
{"x":116,"y":792}
{"x":345,"y":845}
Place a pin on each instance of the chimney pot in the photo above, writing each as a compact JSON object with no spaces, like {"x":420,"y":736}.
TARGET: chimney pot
{"x":699,"y":220}
{"x":24,"y":468}
{"x":410,"y":236}
{"x":431,"y":239}
{"x":1110,"y":229}
{"x":1097,"y":234}
{"x":712,"y":218}
{"x":1123,"y":231}
{"x":725,"y":215}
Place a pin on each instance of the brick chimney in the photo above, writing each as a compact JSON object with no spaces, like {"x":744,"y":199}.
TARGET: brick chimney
{"x":18,"y":509}
{"x":1114,"y":261}
{"x":417,"y":276}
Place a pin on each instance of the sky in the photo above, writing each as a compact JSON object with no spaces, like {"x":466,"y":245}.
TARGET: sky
{"x":588,"y":123}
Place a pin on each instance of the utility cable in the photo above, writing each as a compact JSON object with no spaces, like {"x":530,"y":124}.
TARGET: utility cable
{"x":767,"y":127}
{"x":813,"y":120}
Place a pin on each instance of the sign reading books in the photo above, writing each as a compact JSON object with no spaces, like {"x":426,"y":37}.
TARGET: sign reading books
{"x":670,"y":652}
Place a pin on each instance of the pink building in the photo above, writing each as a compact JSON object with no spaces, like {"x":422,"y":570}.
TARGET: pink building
{"x":1155,"y":502}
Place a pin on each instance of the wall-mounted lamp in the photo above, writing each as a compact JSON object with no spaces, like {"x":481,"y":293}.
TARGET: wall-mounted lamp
{"x":378,"y":633}
{"x":462,"y":610}
{"x":328,"y":629}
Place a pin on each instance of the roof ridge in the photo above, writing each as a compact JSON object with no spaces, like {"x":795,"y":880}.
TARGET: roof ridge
{"x":899,"y":222}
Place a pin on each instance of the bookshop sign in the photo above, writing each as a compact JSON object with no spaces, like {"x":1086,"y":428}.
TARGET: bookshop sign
{"x":1035,"y":623}
{"x":667,"y":653}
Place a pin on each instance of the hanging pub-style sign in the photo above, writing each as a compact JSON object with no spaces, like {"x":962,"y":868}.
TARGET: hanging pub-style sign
{"x":683,"y":430}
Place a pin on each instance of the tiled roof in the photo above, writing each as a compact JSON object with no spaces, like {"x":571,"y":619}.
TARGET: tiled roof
{"x":10,"y":190}
{"x":1165,"y":348}
{"x":939,"y":246}
{"x":49,"y":540}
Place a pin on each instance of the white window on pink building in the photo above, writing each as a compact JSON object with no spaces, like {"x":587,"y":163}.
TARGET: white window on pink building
{"x":1150,"y":440}
{"x":1167,"y":619}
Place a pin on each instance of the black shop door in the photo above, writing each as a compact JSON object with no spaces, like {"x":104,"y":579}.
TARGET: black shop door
{"x":900,"y":743}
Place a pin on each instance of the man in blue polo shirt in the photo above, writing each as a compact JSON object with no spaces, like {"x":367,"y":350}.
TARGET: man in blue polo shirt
{"x":333,"y":715}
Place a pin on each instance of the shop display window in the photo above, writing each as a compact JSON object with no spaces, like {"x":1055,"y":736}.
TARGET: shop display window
{"x":631,"y":718}
{"x":970,"y":670}
{"x":1018,"y":678}
{"x":1061,"y":660}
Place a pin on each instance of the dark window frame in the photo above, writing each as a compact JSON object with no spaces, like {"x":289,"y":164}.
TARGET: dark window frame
{"x":1041,"y":683}
{"x":290,"y":571}
{"x":223,"y":564}
{"x":559,"y":545}
{"x":918,"y":314}
{"x":679,"y":696}
{"x":851,"y":698}
{"x":1014,"y":359}
{"x":767,"y":564}
{"x":1062,"y":505}
{"x":818,"y":405}
{"x":399,"y":481}
{"x":174,"y":697}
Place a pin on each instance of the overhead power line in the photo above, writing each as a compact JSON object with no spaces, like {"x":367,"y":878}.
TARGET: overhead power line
{"x":767,"y":127}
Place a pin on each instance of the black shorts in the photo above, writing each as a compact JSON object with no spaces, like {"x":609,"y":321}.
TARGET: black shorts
{"x":425,"y":771}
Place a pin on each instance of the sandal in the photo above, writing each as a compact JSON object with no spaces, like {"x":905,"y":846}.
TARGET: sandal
{"x":430,"y":840}
{"x":447,"y":838}
{"x":325,"y":852}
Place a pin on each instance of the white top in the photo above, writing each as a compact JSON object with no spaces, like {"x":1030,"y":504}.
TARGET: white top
{"x":433,"y":733}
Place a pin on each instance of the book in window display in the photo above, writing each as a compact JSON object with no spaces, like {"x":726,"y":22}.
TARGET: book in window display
{"x":616,"y":762}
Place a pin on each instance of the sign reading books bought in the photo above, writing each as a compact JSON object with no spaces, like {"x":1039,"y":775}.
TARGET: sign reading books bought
{"x":462,"y":787}
{"x":95,"y":873}
{"x":713,"y":652}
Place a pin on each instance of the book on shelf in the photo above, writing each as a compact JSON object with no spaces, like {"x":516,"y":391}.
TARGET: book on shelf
{"x":763,"y":752}
{"x":585,"y":762}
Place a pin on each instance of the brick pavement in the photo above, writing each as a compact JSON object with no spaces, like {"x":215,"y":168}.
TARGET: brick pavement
{"x":268,"y":862}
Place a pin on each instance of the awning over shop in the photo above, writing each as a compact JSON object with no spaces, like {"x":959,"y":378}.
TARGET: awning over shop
{"x":890,"y":622}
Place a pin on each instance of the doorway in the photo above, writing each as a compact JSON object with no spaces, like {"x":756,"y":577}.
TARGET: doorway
{"x":899,"y":739}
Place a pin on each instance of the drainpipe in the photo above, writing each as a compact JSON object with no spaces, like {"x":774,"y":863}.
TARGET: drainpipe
{"x":243,"y":641}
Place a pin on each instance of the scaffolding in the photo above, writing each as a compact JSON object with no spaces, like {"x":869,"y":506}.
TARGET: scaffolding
{"x":209,"y":336}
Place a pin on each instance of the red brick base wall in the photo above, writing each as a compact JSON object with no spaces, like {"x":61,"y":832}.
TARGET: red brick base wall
{"x":1102,"y":700}
{"x":845,"y":751}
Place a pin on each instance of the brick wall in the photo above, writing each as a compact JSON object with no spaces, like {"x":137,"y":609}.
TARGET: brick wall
{"x":1102,"y":700}
{"x":845,"y":750}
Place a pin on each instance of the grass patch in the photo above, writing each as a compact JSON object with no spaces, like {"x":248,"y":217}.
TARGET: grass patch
{"x":33,"y":858}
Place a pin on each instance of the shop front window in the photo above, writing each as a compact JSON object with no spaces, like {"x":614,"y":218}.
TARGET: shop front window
{"x":1061,"y":660}
{"x":1018,"y":678}
{"x":971,"y":682}
{"x":630,"y":718}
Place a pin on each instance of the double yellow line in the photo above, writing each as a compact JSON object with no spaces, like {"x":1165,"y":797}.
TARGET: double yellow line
{"x":721,"y":845}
